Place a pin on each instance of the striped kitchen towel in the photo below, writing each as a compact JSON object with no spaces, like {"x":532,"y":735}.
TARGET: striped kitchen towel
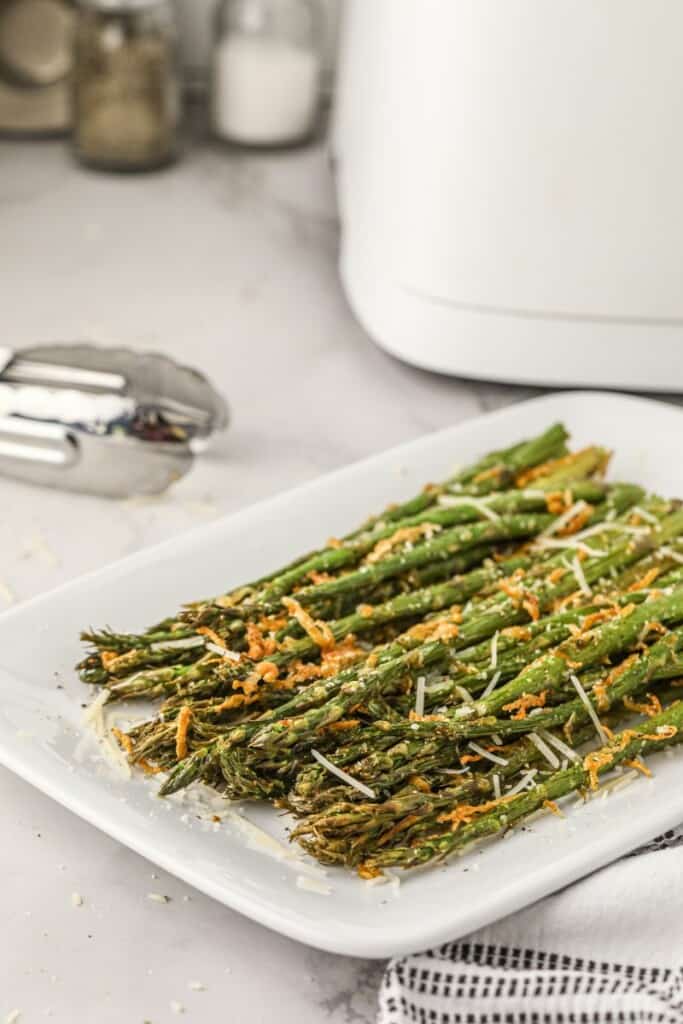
{"x":607,"y":950}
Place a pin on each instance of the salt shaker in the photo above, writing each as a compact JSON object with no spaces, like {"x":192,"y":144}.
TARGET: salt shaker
{"x":126,"y":84}
{"x":266,"y":71}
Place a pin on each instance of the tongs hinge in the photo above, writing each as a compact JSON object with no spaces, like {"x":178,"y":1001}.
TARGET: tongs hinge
{"x":108,"y":421}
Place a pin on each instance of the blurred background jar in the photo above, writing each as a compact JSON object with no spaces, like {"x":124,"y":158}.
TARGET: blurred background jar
{"x":126,"y":84}
{"x":266,"y":66}
{"x":35,"y":65}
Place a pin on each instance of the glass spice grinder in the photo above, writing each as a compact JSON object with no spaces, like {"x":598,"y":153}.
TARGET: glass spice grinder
{"x":126,"y":84}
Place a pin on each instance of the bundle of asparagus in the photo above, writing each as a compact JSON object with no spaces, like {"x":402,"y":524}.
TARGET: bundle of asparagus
{"x":453,"y":665}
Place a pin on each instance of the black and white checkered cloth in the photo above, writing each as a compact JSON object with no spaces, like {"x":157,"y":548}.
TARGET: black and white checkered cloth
{"x":608,"y":950}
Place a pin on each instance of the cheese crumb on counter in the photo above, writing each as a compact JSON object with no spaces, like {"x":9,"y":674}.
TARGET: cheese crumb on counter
{"x":158,"y":897}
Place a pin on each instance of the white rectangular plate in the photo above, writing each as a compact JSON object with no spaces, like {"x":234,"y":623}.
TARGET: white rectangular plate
{"x":40,"y":730}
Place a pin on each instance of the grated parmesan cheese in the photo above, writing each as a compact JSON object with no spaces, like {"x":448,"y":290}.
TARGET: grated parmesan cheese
{"x":635,"y":531}
{"x":344,"y":776}
{"x":94,"y":718}
{"x":580,"y":577}
{"x":38,"y":545}
{"x":76,"y":899}
{"x":184,"y":642}
{"x":565,"y":518}
{"x":420,"y":696}
{"x":259,"y":839}
{"x":492,"y":684}
{"x":497,"y":792}
{"x":116,"y":757}
{"x":158,"y":897}
{"x":93,"y":713}
{"x":447,"y":501}
{"x":523,"y":782}
{"x":394,"y":880}
{"x":536,"y":493}
{"x":551,"y":543}
{"x":670,"y":553}
{"x":644,"y":514}
{"x":224,"y":652}
{"x":494,"y":650}
{"x":619,"y":782}
{"x":560,"y":745}
{"x":495,"y":758}
{"x":543,"y":748}
{"x":592,"y":714}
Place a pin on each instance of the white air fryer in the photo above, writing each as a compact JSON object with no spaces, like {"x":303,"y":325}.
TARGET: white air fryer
{"x":510,"y":177}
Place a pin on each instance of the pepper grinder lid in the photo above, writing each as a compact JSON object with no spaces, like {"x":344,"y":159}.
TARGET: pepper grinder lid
{"x":115,"y":6}
{"x":35,"y":41}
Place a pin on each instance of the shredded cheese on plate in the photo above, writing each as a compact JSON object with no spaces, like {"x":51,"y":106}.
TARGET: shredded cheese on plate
{"x":523,"y":783}
{"x":420,"y":696}
{"x":184,"y":642}
{"x":592,"y":714}
{"x":483,"y":752}
{"x":344,"y":776}
{"x":561,"y":521}
{"x":543,"y":748}
{"x":493,"y":682}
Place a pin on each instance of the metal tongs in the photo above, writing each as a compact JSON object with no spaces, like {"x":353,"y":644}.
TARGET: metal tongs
{"x":106,"y":421}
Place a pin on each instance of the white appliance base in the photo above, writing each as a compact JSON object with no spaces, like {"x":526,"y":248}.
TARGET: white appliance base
{"x":514,"y":347}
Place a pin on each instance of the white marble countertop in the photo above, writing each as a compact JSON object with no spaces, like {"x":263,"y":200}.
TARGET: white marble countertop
{"x":228,"y":262}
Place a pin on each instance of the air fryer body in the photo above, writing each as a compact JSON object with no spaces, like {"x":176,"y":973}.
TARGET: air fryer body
{"x":510,"y":180}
